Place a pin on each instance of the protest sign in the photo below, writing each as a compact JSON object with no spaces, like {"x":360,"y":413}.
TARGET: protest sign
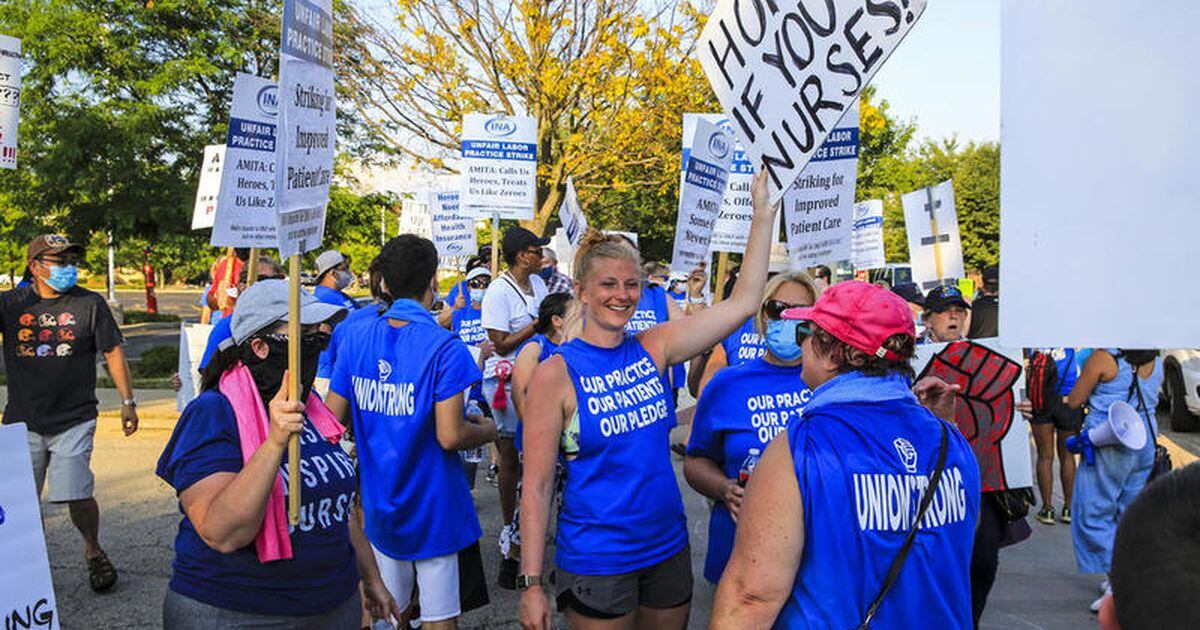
{"x":415,"y":219}
{"x":704,"y":179}
{"x":992,"y":381}
{"x":570,"y":214}
{"x":499,"y":173}
{"x":307,"y":125}
{"x":193,"y":339}
{"x":785,"y":74}
{"x":934,"y":246}
{"x":205,"y":210}
{"x":866,"y":237}
{"x":737,"y":209}
{"x":453,"y":230}
{"x":26,"y":592}
{"x":10,"y":99}
{"x":246,"y":211}
{"x":819,"y":205}
{"x":1098,"y":217}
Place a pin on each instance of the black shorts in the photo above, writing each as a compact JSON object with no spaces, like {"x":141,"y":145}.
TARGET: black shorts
{"x":1061,"y":416}
{"x":667,"y":584}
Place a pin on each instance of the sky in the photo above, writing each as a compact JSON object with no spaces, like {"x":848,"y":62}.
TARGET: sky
{"x":945,"y":75}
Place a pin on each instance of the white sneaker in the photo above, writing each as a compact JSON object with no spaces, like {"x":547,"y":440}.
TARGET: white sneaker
{"x":1095,"y":607}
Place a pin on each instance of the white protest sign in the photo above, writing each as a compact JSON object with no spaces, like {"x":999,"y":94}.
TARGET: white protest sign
{"x":570,"y":214}
{"x":307,"y":124}
{"x":246,"y":212}
{"x":1098,"y":209}
{"x":499,"y":173}
{"x":453,"y":230}
{"x":26,"y":592}
{"x":704,"y":179}
{"x":986,"y":414}
{"x":866,"y":239}
{"x":205,"y":210}
{"x":193,"y":339}
{"x":934,"y":246}
{"x":785,"y":74}
{"x":415,"y":219}
{"x":10,"y":99}
{"x":818,"y":206}
{"x":737,"y":209}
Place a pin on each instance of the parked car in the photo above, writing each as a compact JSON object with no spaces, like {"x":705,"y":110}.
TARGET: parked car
{"x":1181,"y":388}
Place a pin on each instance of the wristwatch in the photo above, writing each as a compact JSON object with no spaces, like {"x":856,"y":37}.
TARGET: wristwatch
{"x":525,"y":581}
{"x":129,"y":402}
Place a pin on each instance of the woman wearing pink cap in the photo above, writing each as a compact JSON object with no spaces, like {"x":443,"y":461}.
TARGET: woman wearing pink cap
{"x":827,"y":535}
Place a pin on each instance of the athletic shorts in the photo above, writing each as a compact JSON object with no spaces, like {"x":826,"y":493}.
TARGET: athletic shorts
{"x":505,"y":419}
{"x":667,"y":584}
{"x":67,"y":458}
{"x":1061,"y":416}
{"x":446,"y":585}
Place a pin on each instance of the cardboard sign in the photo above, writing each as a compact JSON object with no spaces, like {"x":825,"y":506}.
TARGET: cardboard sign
{"x":453,"y":230}
{"x":570,"y":214}
{"x":786,"y":73}
{"x":10,"y":99}
{"x":307,"y":125}
{"x":246,"y":212}
{"x":992,"y":380}
{"x":193,"y":339}
{"x":934,"y":246}
{"x":499,"y":174}
{"x":205,"y":210}
{"x":26,"y":592}
{"x":704,"y":179}
{"x":819,"y":205}
{"x":866,"y":236}
{"x":1098,"y":211}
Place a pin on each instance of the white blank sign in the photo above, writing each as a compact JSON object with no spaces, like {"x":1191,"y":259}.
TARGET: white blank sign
{"x":1099,"y":214}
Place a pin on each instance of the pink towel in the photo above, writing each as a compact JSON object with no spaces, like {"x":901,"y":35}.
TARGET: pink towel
{"x":237,"y":384}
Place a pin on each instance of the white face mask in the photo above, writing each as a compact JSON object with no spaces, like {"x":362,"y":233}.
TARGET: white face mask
{"x":477,"y":294}
{"x":342,"y":279}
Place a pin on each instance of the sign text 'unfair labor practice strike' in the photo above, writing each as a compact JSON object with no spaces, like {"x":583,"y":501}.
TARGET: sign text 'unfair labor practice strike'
{"x":785,"y":73}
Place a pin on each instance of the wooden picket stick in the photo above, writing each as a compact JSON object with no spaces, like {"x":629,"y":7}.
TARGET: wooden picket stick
{"x":495,"y":244}
{"x":222,"y":296}
{"x":293,"y":385}
{"x":252,"y":267}
{"x":722,"y":267}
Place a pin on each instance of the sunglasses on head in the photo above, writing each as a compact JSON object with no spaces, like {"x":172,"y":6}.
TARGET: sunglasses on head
{"x":774,"y":309}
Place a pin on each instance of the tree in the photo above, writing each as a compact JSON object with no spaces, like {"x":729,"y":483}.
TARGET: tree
{"x":607,"y":82}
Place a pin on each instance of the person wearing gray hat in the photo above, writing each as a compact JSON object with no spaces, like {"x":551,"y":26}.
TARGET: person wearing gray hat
{"x":333,"y":276}
{"x":236,"y":562}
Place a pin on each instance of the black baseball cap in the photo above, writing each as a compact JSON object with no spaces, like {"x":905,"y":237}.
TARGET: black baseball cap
{"x":991,"y":276}
{"x":518,"y":238}
{"x":943,"y":297}
{"x":910,"y":292}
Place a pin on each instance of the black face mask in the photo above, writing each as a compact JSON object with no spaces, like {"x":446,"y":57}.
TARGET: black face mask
{"x":268,"y":372}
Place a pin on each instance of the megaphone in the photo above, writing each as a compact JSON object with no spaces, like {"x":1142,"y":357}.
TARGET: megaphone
{"x":1125,"y":427}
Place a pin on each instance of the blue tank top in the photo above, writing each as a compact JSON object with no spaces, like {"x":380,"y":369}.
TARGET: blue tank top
{"x":863,"y":453}
{"x":622,"y":510}
{"x":547,"y":348}
{"x":744,"y":344}
{"x":1105,"y":394}
{"x":468,"y":326}
{"x":651,"y":311}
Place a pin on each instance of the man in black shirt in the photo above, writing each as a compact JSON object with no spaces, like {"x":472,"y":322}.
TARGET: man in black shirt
{"x":985,"y":315}
{"x":52,"y":331}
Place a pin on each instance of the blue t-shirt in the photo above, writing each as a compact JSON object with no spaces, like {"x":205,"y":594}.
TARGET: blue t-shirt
{"x":334,"y":297}
{"x":680,"y":297}
{"x":546,"y":348}
{"x":743,"y":407}
{"x":651,"y":311}
{"x":863,"y":453}
{"x":466,"y":323}
{"x":744,"y":344}
{"x":416,"y":502}
{"x":322,"y":572}
{"x":220,"y":332}
{"x":340,"y":332}
{"x":621,"y":508}
{"x":459,"y":287}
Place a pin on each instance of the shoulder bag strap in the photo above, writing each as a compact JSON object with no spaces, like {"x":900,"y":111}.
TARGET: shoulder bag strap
{"x":898,"y":563}
{"x":509,"y":281}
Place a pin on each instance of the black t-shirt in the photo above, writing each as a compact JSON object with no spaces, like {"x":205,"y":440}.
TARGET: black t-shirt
{"x":985,"y":317}
{"x":50,"y":351}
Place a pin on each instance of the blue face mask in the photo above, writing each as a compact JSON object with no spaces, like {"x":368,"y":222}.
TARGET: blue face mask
{"x":62,"y":277}
{"x":477,"y":295}
{"x":546,"y":272}
{"x":781,"y":339}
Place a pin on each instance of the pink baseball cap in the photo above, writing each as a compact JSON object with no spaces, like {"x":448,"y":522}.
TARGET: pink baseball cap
{"x":861,"y":314}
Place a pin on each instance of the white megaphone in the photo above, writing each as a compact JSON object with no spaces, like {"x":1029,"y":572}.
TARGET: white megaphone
{"x":1125,"y":427}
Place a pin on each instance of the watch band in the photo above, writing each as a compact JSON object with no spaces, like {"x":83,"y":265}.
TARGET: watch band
{"x":526,"y":581}
{"x":129,"y":402}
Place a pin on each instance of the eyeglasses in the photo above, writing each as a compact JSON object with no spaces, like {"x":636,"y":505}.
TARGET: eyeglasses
{"x":319,"y":339}
{"x":803,"y":331}
{"x":536,"y":251}
{"x":477,"y":283}
{"x":59,"y":260}
{"x":774,"y":309}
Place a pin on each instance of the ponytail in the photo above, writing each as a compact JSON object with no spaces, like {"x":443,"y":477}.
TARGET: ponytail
{"x":598,"y":245}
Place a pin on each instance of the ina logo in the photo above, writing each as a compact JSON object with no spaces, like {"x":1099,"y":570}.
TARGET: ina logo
{"x":908,"y":454}
{"x":500,"y":126}
{"x":860,"y":211}
{"x":268,"y":100}
{"x":725,"y":126}
{"x":718,"y":144}
{"x":385,"y":370}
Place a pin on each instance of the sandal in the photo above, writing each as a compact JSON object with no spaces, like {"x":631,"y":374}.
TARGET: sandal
{"x":101,"y":573}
